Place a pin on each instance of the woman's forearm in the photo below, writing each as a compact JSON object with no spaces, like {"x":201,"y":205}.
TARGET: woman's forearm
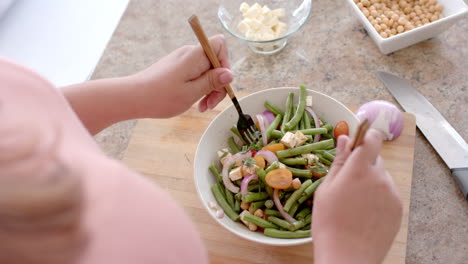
{"x":101,"y":103}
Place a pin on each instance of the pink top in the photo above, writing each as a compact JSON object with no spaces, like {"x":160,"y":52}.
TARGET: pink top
{"x":123,"y":218}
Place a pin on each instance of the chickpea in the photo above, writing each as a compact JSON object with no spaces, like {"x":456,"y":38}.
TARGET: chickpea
{"x":383,"y":26}
{"x":395,"y":17}
{"x":390,"y":23}
{"x":402,"y":21}
{"x":365,"y":3}
{"x":244,"y":206}
{"x":365,"y":11}
{"x":385,"y":21}
{"x":393,"y":31}
{"x":432,"y":8}
{"x":356,"y":1}
{"x":425,"y":21}
{"x":400,"y":29}
{"x":252,"y":227}
{"x":377,"y":5}
{"x":360,"y":5}
{"x":412,"y":15}
{"x":418,"y":12}
{"x":407,"y":10}
{"x":378,"y":20}
{"x":432,"y":2}
{"x":374,"y":13}
{"x":372,"y":7}
{"x":439,"y":7}
{"x":259,"y":213}
{"x":383,"y":35}
{"x":377,"y":27}
{"x":434,"y":18}
{"x":296,"y":183}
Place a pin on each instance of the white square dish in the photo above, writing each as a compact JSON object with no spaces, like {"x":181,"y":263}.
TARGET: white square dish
{"x":452,"y":12}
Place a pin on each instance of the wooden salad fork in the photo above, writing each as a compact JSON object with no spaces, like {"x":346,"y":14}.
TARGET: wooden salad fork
{"x":245,"y":123}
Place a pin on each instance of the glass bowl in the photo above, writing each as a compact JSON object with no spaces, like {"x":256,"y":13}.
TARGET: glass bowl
{"x":297,"y":13}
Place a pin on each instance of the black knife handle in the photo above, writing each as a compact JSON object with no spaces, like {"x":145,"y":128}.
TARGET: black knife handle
{"x":461,"y":177}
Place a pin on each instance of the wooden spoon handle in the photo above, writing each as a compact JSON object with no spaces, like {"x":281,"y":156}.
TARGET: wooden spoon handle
{"x":200,"y":33}
{"x":360,"y":133}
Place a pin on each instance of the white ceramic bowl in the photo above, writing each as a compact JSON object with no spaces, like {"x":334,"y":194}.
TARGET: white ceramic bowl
{"x":218,"y":132}
{"x":452,"y":12}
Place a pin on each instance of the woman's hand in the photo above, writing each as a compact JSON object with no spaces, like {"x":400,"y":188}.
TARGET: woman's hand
{"x":357,"y":209}
{"x":177,"y":81}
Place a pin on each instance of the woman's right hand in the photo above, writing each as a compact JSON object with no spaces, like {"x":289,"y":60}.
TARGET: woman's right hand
{"x":357,"y":209}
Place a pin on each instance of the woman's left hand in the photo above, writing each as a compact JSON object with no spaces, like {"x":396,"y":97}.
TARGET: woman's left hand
{"x":174,"y":83}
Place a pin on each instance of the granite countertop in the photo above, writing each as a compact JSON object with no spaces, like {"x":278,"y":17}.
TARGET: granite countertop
{"x":332,"y":54}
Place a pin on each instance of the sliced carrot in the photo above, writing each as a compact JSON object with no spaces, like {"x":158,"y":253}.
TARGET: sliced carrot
{"x":274,"y":147}
{"x":279,"y":178}
{"x":260,"y":161}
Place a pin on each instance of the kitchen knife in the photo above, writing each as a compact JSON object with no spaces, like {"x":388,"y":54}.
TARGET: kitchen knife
{"x":443,"y":137}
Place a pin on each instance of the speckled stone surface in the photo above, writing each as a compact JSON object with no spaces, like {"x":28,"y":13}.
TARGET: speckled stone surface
{"x":332,"y":54}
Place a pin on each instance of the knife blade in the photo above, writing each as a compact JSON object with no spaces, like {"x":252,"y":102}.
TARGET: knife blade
{"x":443,"y":137}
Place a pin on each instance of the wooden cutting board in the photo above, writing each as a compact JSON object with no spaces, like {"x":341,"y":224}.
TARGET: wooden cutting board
{"x":164,"y":150}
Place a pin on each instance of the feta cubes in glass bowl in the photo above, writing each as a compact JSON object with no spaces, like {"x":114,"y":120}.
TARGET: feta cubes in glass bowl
{"x":264,"y":25}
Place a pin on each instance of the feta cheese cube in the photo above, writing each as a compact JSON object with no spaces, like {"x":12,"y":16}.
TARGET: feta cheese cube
{"x":309,"y":100}
{"x":289,"y":140}
{"x":300,"y":138}
{"x":235,"y":174}
{"x":269,"y":20}
{"x":279,"y":12}
{"x":311,"y":158}
{"x":244,"y":7}
{"x":280,"y":29}
{"x":249,"y":170}
{"x":223,"y":159}
{"x":254,"y":11}
{"x":254,"y":24}
{"x":243,"y":26}
{"x":265,"y":10}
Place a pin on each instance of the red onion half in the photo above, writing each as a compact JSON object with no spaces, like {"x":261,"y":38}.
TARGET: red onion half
{"x":279,"y":206}
{"x":269,"y":156}
{"x":316,"y":120}
{"x":383,"y":116}
{"x":246,"y":181}
{"x":227,"y":164}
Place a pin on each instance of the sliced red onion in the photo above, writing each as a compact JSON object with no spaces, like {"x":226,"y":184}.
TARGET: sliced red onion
{"x":383,"y":116}
{"x":261,"y":123}
{"x":279,"y":206}
{"x":246,"y":181}
{"x":269,"y":116}
{"x":316,"y":120}
{"x":228,"y":163}
{"x":269,"y":156}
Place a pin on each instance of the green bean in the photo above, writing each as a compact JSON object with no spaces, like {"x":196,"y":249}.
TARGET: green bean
{"x":293,"y":209}
{"x":271,"y":232}
{"x":327,"y":136}
{"x":237,"y":133}
{"x":296,"y":127}
{"x":288,"y":111}
{"x":322,"y":159}
{"x":326,"y":154}
{"x":269,"y":204}
{"x":233,"y":145}
{"x":301,"y":223}
{"x":294,"y":161}
{"x":314,"y":131}
{"x":272,"y":212}
{"x":305,"y":149}
{"x":230,"y":198}
{"x":286,"y":195}
{"x":300,"y":109}
{"x":258,"y":221}
{"x":253,"y":197}
{"x":253,"y":187}
{"x":261,"y":175}
{"x":301,"y":123}
{"x":328,"y":127}
{"x":276,"y":134}
{"x":237,"y":206}
{"x":332,"y":151}
{"x":280,"y":222}
{"x":273,"y":108}
{"x":296,"y":195}
{"x":310,"y":190}
{"x":216,"y":189}
{"x":269,"y":190}
{"x":256,"y":205}
{"x":273,"y":166}
{"x":215,"y":171}
{"x":300,"y":173}
{"x":273,"y":126}
{"x":306,"y":120}
{"x":303,"y":213}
